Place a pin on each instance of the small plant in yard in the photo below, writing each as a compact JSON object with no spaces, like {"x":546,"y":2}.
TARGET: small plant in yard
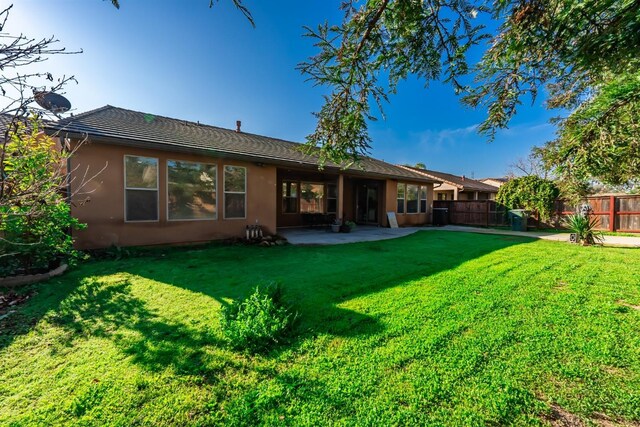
{"x":258,"y":322}
{"x":584,"y":226}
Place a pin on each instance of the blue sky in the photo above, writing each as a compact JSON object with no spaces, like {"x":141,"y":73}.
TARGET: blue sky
{"x":181,"y":59}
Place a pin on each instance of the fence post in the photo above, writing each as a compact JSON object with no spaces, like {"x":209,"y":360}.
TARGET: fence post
{"x":612,"y":213}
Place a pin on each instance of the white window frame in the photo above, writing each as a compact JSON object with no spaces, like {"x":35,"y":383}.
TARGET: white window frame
{"x":157,"y":189}
{"x":215,"y":190}
{"x":420,"y":199}
{"x":406,"y":199}
{"x":224,"y":191}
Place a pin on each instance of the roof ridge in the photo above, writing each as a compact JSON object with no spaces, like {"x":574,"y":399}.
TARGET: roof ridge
{"x":196,"y":123}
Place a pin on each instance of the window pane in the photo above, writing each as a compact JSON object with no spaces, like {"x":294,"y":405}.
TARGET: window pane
{"x":234,"y":179}
{"x":332,"y":191}
{"x":290,"y":205}
{"x":234,"y":205}
{"x":423,"y":199}
{"x":141,"y":172}
{"x":312,"y":198}
{"x":400,"y":207}
{"x":142,"y":205}
{"x":191,"y":190}
{"x":412,"y":198}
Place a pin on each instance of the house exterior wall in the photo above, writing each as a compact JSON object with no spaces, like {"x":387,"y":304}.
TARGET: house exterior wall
{"x":405,"y":219}
{"x":100,"y":202}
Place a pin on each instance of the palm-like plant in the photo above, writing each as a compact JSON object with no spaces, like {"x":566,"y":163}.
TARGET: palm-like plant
{"x":585,"y":228}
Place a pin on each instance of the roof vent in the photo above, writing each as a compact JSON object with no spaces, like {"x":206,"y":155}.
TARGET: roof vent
{"x":238,"y":126}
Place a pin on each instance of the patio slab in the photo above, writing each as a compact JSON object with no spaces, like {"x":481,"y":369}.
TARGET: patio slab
{"x":323,"y":236}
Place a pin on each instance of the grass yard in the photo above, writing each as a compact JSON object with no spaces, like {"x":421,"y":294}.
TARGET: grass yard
{"x":437,"y":328}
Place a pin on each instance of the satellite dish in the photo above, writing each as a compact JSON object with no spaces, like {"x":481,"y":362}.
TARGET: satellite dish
{"x":52,"y":102}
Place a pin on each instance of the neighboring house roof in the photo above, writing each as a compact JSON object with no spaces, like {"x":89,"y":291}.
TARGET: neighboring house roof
{"x":461,"y":182}
{"x":500,"y":179}
{"x":122,"y":126}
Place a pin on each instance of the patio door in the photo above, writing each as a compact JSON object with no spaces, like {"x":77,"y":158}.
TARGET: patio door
{"x":367,"y":203}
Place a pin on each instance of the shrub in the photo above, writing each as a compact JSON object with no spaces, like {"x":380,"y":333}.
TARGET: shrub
{"x":35,"y":219}
{"x":258,"y":322}
{"x":531,"y":193}
{"x":585,"y":228}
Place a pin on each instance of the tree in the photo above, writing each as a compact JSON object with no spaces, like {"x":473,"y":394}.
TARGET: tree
{"x":377,"y":45}
{"x":237,"y":3}
{"x":601,"y":138}
{"x":34,"y":216}
{"x":19,"y":90}
{"x":531,"y":165}
{"x":572,"y":47}
{"x":531,"y":193}
{"x":420,"y":165}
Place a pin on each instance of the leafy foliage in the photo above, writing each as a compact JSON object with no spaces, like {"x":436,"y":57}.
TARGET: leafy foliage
{"x":529,"y":192}
{"x":35,"y":220}
{"x":377,"y":45}
{"x":585,"y":227}
{"x":259,"y":322}
{"x":601,"y":138}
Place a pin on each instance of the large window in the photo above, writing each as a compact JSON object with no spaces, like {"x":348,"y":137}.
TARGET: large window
{"x":140,"y":188}
{"x":191,"y":190}
{"x":235,"y":192}
{"x":311,"y":197}
{"x":412,"y":198}
{"x":401,"y":197}
{"x":289,"y":197}
{"x":423,"y":199}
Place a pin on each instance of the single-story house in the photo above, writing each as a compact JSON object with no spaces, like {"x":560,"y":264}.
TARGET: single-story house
{"x":170,"y":181}
{"x":455,"y":187}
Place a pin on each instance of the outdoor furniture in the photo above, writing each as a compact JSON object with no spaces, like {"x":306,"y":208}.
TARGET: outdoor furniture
{"x":317,"y":219}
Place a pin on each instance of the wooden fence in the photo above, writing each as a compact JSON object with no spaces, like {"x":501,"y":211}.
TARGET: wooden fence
{"x":613,"y":213}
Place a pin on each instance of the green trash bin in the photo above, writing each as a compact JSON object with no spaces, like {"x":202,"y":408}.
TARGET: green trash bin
{"x":518,"y":219}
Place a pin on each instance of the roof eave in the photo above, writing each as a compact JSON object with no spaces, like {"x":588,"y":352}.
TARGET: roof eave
{"x":104,"y":139}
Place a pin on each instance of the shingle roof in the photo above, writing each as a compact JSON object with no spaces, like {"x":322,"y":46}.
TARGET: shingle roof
{"x":134,"y":127}
{"x":463,"y":183}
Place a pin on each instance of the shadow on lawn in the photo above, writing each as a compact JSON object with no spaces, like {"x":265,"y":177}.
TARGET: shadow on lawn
{"x":109,"y":310}
{"x":317,"y":280}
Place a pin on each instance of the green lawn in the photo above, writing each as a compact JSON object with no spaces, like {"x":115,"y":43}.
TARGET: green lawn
{"x":436,"y":328}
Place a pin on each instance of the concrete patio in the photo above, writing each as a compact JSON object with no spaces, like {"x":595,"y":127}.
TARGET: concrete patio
{"x":362,"y":233}
{"x":324,"y":236}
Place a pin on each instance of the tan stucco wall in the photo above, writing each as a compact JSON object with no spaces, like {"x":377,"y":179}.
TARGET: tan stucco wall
{"x":406,"y":219}
{"x":100,"y":203}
